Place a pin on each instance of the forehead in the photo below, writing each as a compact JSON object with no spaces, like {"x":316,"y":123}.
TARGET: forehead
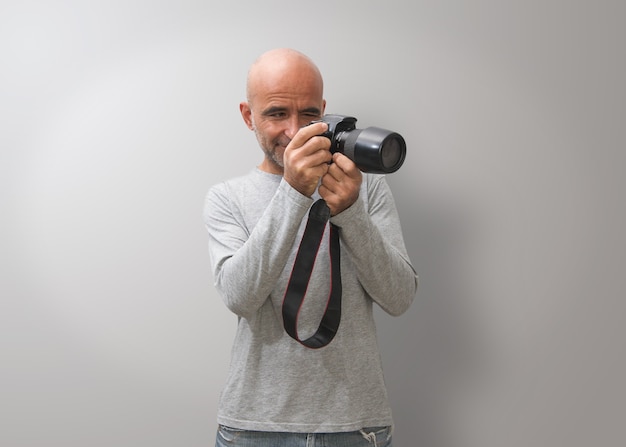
{"x":285,"y":83}
{"x":288,"y":91}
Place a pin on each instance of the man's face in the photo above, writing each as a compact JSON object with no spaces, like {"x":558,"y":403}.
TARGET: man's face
{"x":279,"y":107}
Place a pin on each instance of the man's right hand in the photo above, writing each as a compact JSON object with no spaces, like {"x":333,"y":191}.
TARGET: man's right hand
{"x":306,"y":158}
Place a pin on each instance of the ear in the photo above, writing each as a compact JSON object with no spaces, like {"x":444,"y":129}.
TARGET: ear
{"x":246,"y":114}
{"x":323,"y":106}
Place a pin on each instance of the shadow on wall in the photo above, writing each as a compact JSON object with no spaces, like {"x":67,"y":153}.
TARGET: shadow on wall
{"x":433,"y":355}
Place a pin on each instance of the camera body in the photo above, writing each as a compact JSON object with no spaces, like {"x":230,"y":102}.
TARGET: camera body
{"x":372,"y":149}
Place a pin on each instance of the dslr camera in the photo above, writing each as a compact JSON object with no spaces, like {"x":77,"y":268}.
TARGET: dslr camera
{"x":372,"y":149}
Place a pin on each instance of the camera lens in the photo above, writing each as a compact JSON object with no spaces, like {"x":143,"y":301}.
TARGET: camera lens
{"x":390,"y":152}
{"x":374,"y":149}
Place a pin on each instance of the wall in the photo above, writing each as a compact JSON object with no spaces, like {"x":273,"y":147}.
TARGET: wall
{"x":116,"y":117}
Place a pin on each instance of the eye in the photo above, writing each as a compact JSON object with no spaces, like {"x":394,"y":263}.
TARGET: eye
{"x":277,"y":115}
{"x":311,"y":114}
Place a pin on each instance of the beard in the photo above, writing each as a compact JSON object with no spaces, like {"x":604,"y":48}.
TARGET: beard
{"x":273,"y":149}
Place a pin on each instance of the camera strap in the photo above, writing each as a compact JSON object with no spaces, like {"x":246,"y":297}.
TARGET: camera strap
{"x":319,"y":214}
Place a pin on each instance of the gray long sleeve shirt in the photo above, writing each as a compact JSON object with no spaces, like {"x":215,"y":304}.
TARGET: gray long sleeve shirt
{"x":255,"y":224}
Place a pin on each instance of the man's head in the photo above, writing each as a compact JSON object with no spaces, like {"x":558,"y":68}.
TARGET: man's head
{"x":284,"y":93}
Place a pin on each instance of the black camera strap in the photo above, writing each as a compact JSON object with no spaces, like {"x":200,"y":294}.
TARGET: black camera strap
{"x":319,"y":214}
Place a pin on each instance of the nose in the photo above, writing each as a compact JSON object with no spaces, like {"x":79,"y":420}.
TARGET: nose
{"x":292,"y":126}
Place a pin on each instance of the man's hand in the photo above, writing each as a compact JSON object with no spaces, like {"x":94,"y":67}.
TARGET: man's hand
{"x":340,"y":185}
{"x":306,"y":158}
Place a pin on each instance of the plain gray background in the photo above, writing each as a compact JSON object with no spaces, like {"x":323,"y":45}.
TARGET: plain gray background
{"x":117,"y":116}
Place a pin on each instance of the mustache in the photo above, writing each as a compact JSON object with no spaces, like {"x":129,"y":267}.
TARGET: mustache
{"x":283,"y":141}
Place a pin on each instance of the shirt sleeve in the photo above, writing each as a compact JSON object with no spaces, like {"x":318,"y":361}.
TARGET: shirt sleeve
{"x":372,"y":236}
{"x":247,"y":264}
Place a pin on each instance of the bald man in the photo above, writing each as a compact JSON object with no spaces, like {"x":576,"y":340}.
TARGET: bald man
{"x":285,"y":93}
{"x":282,"y":391}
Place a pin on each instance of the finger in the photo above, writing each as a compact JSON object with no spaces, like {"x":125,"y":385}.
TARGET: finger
{"x":330,"y":181}
{"x":307,"y":132}
{"x":346,"y":165}
{"x":336,"y":172}
{"x":314,"y":151}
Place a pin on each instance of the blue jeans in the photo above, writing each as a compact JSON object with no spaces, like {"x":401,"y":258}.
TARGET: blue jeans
{"x":366,"y":437}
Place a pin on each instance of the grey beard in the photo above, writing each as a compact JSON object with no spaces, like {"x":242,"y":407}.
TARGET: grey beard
{"x":271,"y":156}
{"x":270,"y":153}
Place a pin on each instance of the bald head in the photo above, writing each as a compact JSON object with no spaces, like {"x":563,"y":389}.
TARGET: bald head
{"x":283,"y":66}
{"x":284,"y":94}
